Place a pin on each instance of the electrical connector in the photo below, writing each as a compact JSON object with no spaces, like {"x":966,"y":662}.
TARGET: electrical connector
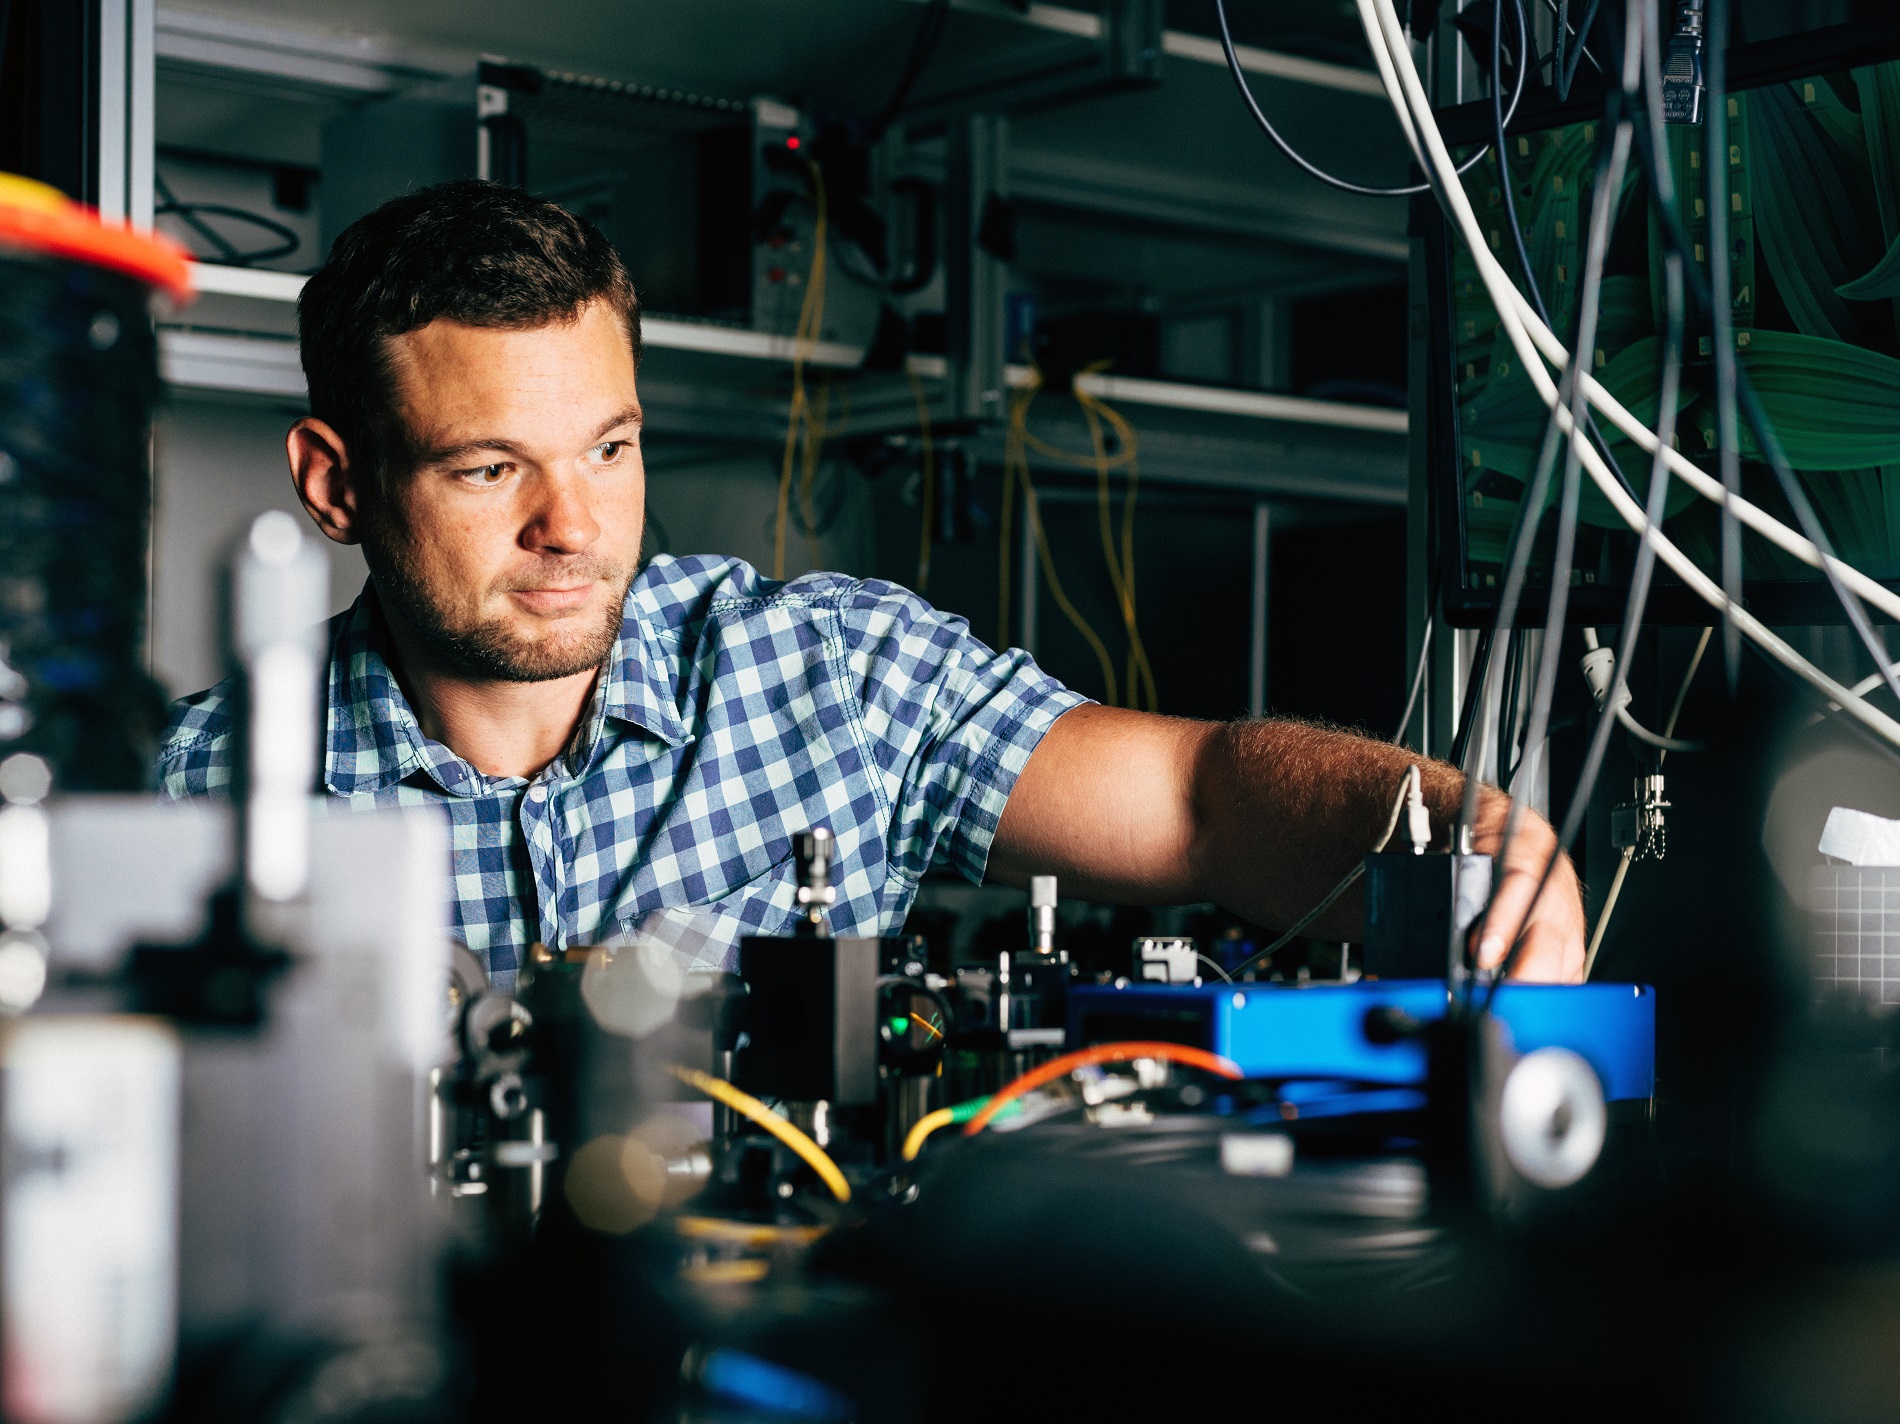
{"x":1682,"y":82}
{"x":1599,"y":670}
{"x":1418,"y":820}
{"x":1640,"y":825}
{"x":1042,"y":914}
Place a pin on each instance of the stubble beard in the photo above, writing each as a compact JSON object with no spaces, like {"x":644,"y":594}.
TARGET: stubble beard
{"x":491,"y":649}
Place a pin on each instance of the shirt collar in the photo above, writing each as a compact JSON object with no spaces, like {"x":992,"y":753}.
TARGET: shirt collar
{"x":373,"y":737}
{"x":639,"y":686}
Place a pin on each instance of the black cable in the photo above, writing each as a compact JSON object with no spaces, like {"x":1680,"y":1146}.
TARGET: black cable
{"x":1656,"y":505}
{"x":229,"y":254}
{"x":923,"y":44}
{"x":1676,"y":239}
{"x":1567,"y":71}
{"x":1729,"y":389}
{"x":1560,"y":43}
{"x":188,"y":215}
{"x":1655,"y":161}
{"x":1582,"y":48}
{"x":1505,"y":182}
{"x":1468,"y":713}
{"x":1613,"y":151}
{"x":1529,"y":515}
{"x":1509,"y":758}
{"x":1727,"y":435}
{"x":1266,"y":126}
{"x":1505,"y":190}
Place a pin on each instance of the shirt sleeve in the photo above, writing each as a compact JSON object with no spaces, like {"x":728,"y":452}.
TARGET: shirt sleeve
{"x":951,"y":723}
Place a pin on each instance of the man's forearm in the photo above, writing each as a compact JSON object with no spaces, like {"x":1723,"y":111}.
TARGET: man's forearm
{"x":1309,"y":803}
{"x":1261,"y":817}
{"x":1284,"y":810}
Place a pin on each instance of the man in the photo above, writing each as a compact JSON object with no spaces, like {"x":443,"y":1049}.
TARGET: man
{"x":611,"y":739}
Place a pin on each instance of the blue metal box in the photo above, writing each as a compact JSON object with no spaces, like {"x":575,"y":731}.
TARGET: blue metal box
{"x":1318,"y":1030}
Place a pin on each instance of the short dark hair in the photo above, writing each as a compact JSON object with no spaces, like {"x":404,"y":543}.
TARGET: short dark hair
{"x":472,"y":251}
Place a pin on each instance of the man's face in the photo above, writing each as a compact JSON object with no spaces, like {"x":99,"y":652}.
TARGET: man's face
{"x":508,"y":546}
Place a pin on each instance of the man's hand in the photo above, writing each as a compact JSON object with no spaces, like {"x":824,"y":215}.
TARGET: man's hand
{"x":1553,"y":946}
{"x":1263,"y":818}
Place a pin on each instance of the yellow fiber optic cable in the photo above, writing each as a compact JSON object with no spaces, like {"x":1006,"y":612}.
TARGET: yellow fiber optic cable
{"x":1033,"y":510}
{"x":1014,"y":454}
{"x":750,"y":1107}
{"x":811,"y":313}
{"x":1139,"y":676}
{"x":927,"y":1124}
{"x":1121,"y":568}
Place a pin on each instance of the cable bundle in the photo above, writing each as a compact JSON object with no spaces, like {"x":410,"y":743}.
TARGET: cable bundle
{"x":805,"y":426}
{"x":78,"y":382}
{"x":1637,"y":92}
{"x":1118,"y":551}
{"x":1571,"y":391}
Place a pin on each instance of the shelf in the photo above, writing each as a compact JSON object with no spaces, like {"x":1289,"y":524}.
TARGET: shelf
{"x":230,"y":364}
{"x":663,"y":333}
{"x":1257,"y":405}
{"x":703,"y":381}
{"x":246,"y":282}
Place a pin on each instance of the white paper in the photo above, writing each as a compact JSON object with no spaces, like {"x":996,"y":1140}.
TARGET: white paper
{"x":1860,"y":839}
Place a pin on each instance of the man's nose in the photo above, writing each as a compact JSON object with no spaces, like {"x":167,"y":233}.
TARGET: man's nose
{"x":560,"y":522}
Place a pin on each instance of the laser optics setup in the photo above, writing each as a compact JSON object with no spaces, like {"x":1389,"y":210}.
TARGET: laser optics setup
{"x":276,"y":1145}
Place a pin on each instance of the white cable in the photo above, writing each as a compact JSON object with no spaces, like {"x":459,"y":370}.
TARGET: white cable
{"x":1655,"y":739}
{"x":1789,"y":540}
{"x":1393,"y":56}
{"x":1872,"y":681}
{"x":1609,"y":908}
{"x":1763,"y":523}
{"x":1418,"y":820}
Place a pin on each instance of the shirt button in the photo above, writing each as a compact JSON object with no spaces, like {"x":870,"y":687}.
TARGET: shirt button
{"x":537,"y":793}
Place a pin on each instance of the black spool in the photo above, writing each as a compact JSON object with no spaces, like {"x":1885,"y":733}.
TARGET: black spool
{"x":78,"y":383}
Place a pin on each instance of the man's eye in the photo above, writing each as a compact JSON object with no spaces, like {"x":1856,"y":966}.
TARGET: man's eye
{"x":485,"y":474}
{"x":609,"y":451}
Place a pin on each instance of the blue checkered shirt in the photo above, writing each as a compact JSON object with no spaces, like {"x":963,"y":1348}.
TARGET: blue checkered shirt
{"x":734,"y":711}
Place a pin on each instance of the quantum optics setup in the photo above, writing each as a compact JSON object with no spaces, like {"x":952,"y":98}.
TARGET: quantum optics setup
{"x":276,"y":1146}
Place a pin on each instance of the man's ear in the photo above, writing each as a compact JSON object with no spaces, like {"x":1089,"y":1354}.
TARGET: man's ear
{"x":329,"y":487}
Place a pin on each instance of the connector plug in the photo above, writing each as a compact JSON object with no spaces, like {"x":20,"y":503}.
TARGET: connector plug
{"x":1682,"y":82}
{"x":1042,"y":913}
{"x":1599,"y":670}
{"x":1418,"y":820}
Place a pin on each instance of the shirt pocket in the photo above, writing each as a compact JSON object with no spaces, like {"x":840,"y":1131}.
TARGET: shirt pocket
{"x":706,"y":935}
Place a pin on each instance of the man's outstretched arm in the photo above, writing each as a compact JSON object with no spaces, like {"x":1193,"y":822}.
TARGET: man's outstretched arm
{"x":1262,"y":818}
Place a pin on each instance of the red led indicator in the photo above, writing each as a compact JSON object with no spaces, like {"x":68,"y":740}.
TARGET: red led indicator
{"x":792,"y":141}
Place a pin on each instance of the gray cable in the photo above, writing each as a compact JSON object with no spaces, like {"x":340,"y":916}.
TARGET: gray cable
{"x":1312,"y":170}
{"x":1642,"y":33}
{"x":1418,"y":680}
{"x":1655,"y":739}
